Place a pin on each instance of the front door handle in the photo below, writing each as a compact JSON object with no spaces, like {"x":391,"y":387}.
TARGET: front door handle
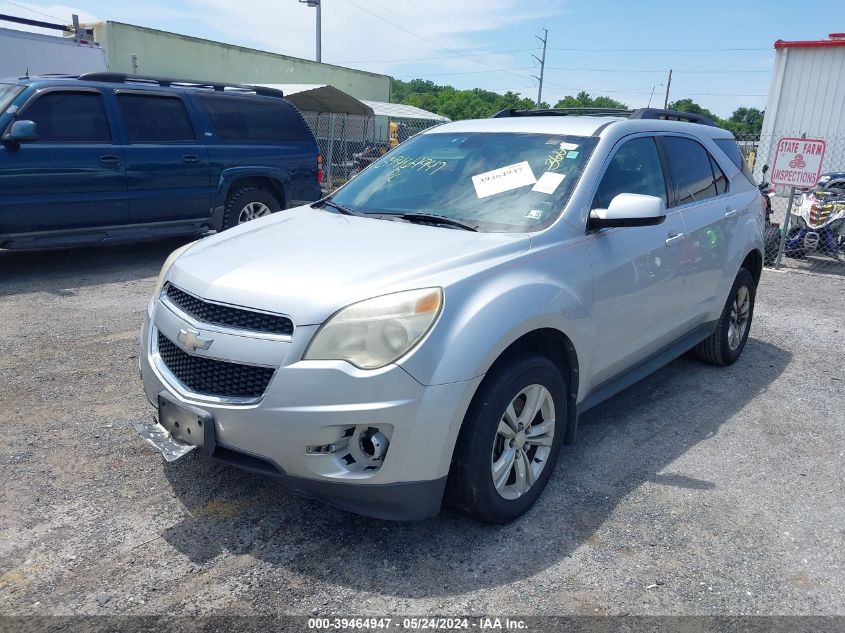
{"x":191,"y":158}
{"x":673,"y":237}
{"x":731,"y":213}
{"x":110,"y":161}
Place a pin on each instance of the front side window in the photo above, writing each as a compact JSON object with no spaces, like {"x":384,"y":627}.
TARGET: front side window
{"x":69,"y":117}
{"x":155,"y":119}
{"x":248,"y":119}
{"x":634,"y":168}
{"x":731,"y":148}
{"x":691,"y":170}
{"x":502,"y":182}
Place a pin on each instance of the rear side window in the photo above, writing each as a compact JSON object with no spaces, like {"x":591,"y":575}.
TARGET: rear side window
{"x":691,"y":169}
{"x":155,"y":119}
{"x":634,"y":168}
{"x":69,"y":117}
{"x":719,"y":176}
{"x":255,"y":120}
{"x":729,"y":146}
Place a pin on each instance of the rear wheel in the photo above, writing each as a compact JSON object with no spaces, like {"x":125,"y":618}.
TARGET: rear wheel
{"x":510,"y":440}
{"x":725,"y":345}
{"x":247,"y":204}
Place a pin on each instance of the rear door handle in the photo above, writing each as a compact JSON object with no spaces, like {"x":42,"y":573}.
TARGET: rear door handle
{"x":191,"y":158}
{"x":731,"y":213}
{"x":673,"y":237}
{"x":110,"y":161}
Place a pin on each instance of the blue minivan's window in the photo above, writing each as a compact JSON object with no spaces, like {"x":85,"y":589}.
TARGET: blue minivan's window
{"x":502,"y":182}
{"x":255,"y":119}
{"x":7,"y":93}
{"x":155,"y":119}
{"x":69,"y":117}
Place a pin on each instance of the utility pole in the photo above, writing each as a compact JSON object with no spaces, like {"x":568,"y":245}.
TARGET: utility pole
{"x":542,"y":61}
{"x":668,"y":83}
{"x":316,"y":3}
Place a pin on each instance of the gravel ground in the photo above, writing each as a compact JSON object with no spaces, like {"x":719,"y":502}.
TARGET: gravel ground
{"x":698,"y":491}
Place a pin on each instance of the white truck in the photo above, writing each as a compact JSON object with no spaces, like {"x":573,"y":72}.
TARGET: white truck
{"x":34,"y":54}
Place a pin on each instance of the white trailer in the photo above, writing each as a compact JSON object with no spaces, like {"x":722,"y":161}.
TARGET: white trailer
{"x":806,"y":97}
{"x":26,"y":53}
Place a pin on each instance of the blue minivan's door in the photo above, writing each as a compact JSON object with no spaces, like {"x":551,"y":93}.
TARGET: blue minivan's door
{"x":166,"y":166}
{"x":73,"y":176}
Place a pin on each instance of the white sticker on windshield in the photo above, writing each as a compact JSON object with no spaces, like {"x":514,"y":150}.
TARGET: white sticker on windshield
{"x":503,"y":179}
{"x":568,"y":146}
{"x":548,"y":182}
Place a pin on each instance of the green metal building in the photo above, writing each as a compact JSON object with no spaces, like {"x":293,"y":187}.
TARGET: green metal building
{"x":140,"y":50}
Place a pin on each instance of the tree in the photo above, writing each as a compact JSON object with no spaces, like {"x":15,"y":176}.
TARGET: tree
{"x":747,"y":121}
{"x":584,"y":100}
{"x":688,"y":105}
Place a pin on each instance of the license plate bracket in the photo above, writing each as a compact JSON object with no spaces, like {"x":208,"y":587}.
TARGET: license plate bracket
{"x":187,"y":423}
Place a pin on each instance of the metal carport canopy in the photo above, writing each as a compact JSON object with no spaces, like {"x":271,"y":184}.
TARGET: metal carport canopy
{"x":401,"y":111}
{"x":322,"y":98}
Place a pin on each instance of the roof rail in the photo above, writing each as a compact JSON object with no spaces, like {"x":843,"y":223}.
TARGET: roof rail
{"x":641,"y":113}
{"x":510,"y":112}
{"x":671,"y":115}
{"x":168,"y":82}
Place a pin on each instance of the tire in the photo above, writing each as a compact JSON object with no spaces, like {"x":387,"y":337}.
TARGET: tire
{"x":725,"y":345}
{"x":772,"y":244}
{"x":238,"y":204}
{"x":481,"y":446}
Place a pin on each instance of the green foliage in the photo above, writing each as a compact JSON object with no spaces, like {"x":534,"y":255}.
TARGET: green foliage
{"x":584,"y":100}
{"x":480,"y":104}
{"x":457,"y":104}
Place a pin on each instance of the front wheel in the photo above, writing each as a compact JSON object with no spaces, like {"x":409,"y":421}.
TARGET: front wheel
{"x":510,"y":440}
{"x":725,"y":345}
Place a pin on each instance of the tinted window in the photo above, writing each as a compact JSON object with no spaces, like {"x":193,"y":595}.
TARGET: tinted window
{"x":254,"y":120}
{"x":730,"y":147}
{"x":69,"y":117}
{"x":719,"y":176}
{"x":634,"y":168}
{"x":689,"y":163}
{"x":154,"y":119}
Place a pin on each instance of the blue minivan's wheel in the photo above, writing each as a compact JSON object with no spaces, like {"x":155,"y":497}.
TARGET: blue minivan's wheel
{"x":247,"y":204}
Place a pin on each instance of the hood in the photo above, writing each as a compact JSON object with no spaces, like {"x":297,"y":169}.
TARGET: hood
{"x":308,"y":263}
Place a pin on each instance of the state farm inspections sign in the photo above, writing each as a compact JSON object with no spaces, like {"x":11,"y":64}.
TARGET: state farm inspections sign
{"x":798,"y":162}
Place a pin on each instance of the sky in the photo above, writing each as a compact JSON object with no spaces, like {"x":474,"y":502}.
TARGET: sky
{"x":721,"y":52}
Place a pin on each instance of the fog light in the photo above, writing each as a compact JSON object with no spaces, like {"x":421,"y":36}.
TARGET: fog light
{"x":373,"y":443}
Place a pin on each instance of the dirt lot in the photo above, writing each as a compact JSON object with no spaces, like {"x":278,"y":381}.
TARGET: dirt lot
{"x":697,"y":491}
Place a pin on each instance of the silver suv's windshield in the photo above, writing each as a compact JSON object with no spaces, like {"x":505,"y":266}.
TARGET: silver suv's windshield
{"x":497,"y":182}
{"x":7,"y":93}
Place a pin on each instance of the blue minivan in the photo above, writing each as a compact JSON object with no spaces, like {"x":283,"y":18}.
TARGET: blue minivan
{"x":106,"y":157}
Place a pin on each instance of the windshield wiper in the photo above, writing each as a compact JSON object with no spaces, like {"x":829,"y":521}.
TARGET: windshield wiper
{"x":339,"y":207}
{"x":432,"y":218}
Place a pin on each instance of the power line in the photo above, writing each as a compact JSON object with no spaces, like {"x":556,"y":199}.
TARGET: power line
{"x":425,"y":39}
{"x":468,"y":72}
{"x":434,"y":59}
{"x":659,"y":50}
{"x":26,"y":8}
{"x":656,"y":70}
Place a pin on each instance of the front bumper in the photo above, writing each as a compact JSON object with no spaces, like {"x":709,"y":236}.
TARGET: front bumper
{"x":312,"y":404}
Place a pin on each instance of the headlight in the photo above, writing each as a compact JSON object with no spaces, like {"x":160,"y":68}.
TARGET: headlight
{"x":167,"y":264}
{"x":376,"y":332}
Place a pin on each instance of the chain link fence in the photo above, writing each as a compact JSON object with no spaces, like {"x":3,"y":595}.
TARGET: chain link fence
{"x":806,"y":227}
{"x":350,"y":142}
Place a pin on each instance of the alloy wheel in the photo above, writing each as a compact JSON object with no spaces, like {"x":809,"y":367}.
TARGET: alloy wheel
{"x":523,"y":442}
{"x":740,"y":312}
{"x":253,"y":210}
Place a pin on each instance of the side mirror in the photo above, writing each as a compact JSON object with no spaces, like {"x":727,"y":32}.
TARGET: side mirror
{"x":765,"y":168}
{"x":21,"y":132}
{"x":629,"y":209}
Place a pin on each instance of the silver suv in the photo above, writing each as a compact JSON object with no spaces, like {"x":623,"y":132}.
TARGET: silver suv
{"x":435,"y":327}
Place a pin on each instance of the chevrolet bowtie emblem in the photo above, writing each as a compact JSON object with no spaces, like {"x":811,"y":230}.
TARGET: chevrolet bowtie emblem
{"x":193,"y":340}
